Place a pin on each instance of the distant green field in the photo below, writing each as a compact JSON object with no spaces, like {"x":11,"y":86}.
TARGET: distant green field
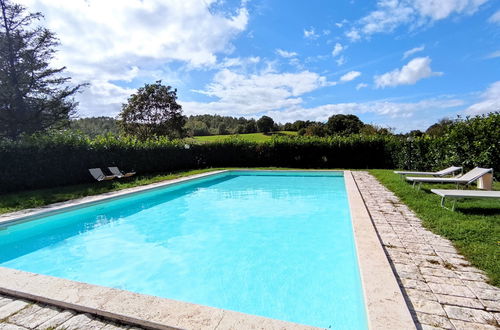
{"x":253,"y":137}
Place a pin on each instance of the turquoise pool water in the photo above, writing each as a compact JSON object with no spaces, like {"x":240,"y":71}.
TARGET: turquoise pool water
{"x":278,"y":245}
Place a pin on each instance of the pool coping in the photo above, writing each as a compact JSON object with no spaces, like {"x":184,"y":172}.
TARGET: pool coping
{"x":384,"y":302}
{"x":386,"y":307}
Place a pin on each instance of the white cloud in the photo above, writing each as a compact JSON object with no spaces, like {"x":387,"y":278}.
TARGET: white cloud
{"x":340,"y":61}
{"x":495,"y":18}
{"x":409,"y":74}
{"x":229,"y":62}
{"x":342,"y":23}
{"x":245,"y":94}
{"x":412,"y":51}
{"x":103,"y":41}
{"x":310,"y":34}
{"x":280,"y":95}
{"x":361,"y":85}
{"x":390,"y":14}
{"x":350,"y":76}
{"x":494,"y":54}
{"x":337,"y":49}
{"x":490,"y":101}
{"x":284,"y":53}
{"x":353,"y":35}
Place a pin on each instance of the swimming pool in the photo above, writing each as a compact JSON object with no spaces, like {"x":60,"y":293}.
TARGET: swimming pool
{"x":278,"y":245}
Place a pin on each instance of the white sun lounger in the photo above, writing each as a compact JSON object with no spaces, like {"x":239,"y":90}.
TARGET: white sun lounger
{"x":446,"y":171}
{"x":120,"y":174}
{"x":456,"y":194}
{"x":99,"y":175}
{"x":462,"y":180}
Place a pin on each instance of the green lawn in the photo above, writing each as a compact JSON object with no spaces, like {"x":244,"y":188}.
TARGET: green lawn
{"x":35,"y":198}
{"x":252,"y":137}
{"x":474,"y":227}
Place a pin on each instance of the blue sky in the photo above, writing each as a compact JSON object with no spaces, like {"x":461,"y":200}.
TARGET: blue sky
{"x":402,"y":64}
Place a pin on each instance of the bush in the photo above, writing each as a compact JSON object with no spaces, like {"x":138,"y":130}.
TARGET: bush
{"x":64,"y":157}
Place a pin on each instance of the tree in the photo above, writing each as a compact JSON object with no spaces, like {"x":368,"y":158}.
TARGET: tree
{"x":370,"y":129}
{"x":265,"y":124}
{"x":316,"y":129}
{"x":33,"y":96}
{"x":196,"y":128}
{"x":223,"y":129}
{"x":153,"y":111}
{"x":95,"y":126}
{"x":344,"y":124}
{"x":439,"y":128}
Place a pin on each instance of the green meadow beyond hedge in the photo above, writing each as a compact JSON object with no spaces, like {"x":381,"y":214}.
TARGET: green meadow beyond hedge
{"x":63,"y":157}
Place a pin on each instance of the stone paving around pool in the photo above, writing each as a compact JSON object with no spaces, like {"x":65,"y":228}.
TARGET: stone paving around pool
{"x":442,"y":289}
{"x":20,"y":314}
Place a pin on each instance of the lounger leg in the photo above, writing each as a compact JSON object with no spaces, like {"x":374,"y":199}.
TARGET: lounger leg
{"x":444,"y":206}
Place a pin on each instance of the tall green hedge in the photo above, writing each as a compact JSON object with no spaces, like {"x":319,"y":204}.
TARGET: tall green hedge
{"x":63,"y":158}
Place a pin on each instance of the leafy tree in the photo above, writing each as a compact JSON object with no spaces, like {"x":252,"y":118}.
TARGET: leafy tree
{"x":153,"y":111}
{"x":95,"y":126}
{"x":251,"y":126}
{"x":223,"y":129}
{"x":439,"y":128}
{"x":369,"y":129}
{"x":265,"y":124}
{"x":196,"y":128}
{"x":415,"y":133}
{"x":33,"y":96}
{"x":316,"y":129}
{"x":232,"y":125}
{"x":344,"y":124}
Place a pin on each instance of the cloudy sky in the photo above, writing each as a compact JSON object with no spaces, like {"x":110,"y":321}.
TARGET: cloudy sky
{"x":397,"y":63}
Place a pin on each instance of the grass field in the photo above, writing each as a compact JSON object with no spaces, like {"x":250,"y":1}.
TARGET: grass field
{"x":474,"y":227}
{"x":252,"y":137}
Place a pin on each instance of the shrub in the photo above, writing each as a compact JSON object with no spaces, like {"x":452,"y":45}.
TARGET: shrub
{"x":64,"y":157}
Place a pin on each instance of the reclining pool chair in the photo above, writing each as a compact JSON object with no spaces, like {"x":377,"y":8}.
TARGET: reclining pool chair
{"x":99,"y":175}
{"x":446,"y":171}
{"x":458,"y":194}
{"x":120,"y":174}
{"x":462,"y":180}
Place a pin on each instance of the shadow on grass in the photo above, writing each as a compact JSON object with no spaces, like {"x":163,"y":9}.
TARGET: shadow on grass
{"x":478,"y":210}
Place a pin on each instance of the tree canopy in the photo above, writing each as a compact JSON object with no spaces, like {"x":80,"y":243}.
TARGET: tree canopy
{"x":33,"y":96}
{"x":344,"y":124}
{"x":153,"y":111}
{"x":265,"y":124}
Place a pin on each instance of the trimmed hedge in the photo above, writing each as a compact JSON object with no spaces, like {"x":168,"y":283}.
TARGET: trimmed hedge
{"x":63,"y":158}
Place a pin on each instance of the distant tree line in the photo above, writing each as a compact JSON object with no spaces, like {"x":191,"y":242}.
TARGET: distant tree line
{"x":203,"y":125}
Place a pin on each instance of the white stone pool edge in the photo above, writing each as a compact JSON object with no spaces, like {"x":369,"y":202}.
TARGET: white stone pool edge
{"x":385,"y":305}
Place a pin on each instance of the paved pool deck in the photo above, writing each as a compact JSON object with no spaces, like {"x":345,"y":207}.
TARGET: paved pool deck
{"x":441,"y":288}
{"x":20,"y":314}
